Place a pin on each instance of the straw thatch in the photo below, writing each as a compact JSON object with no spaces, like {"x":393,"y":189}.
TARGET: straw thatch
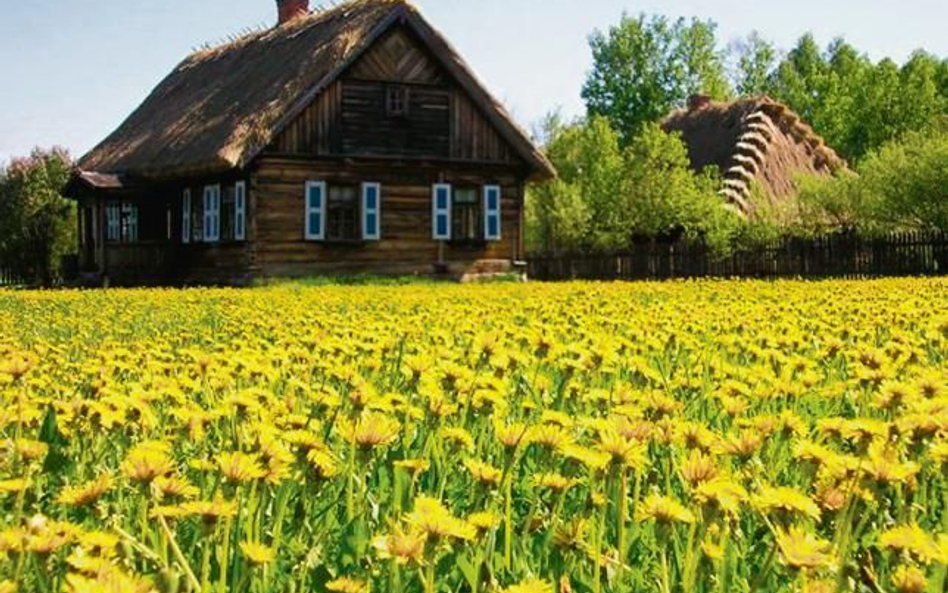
{"x":753,"y":141}
{"x":222,"y":106}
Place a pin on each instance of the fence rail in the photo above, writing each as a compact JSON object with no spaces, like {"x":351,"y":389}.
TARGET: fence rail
{"x":845,"y":255}
{"x":9,"y":278}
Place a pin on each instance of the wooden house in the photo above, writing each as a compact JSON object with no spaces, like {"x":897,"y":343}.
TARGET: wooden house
{"x":755,"y":143}
{"x":349,"y":140}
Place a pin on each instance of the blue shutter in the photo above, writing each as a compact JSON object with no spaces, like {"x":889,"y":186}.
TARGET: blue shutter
{"x":492,"y":212}
{"x":315,"y":210}
{"x":240,"y":211}
{"x":212,"y":213}
{"x":441,"y":212}
{"x":371,"y":211}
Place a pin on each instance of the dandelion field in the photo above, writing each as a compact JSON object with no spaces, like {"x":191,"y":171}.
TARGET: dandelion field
{"x":684,"y":437}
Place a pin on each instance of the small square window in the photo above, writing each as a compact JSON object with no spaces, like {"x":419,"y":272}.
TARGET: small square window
{"x":396,"y":101}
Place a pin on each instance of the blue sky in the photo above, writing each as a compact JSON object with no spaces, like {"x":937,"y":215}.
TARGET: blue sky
{"x":73,"y":70}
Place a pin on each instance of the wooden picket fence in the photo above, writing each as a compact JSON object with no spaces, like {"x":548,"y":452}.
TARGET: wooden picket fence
{"x":836,"y":256}
{"x":9,"y":278}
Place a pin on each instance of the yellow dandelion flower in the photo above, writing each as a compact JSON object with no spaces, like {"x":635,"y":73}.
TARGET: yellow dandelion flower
{"x":403,"y":546}
{"x":323,"y":463}
{"x":257,"y":554}
{"x":698,"y":468}
{"x":14,"y":485}
{"x":30,"y":450}
{"x":430,"y":516}
{"x":347,"y":585}
{"x":909,"y":579}
{"x":458,"y":438}
{"x":721,"y":493}
{"x":624,"y":452}
{"x":173,"y":487}
{"x":240,"y":468}
{"x":664,"y":510}
{"x":511,"y":436}
{"x":530,"y":586}
{"x":801,"y":549}
{"x":550,"y":436}
{"x":101,"y":543}
{"x":484,"y":473}
{"x":415,"y":467}
{"x":83,"y":495}
{"x":483,"y":520}
{"x":769,"y":499}
{"x":913,"y":540}
{"x":553,"y":481}
{"x":146,"y":461}
{"x":371,"y":430}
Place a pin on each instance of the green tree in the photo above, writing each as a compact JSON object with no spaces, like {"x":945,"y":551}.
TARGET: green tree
{"x":646,"y":66}
{"x":37,"y":224}
{"x":589,"y":161}
{"x":606,"y":197}
{"x":858,"y":106}
{"x":663,"y":197}
{"x":901,"y":186}
{"x":755,"y":59}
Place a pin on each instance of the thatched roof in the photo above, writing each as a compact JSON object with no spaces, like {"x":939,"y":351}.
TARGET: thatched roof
{"x":222,"y":106}
{"x":753,"y":140}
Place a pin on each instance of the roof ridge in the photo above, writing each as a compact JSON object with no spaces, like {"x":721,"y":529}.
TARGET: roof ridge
{"x":315,"y":17}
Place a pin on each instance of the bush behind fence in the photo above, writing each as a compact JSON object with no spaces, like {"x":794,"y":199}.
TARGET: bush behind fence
{"x":843,"y":255}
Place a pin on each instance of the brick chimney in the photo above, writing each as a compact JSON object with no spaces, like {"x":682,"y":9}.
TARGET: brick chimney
{"x":697,"y":102}
{"x":291,"y":9}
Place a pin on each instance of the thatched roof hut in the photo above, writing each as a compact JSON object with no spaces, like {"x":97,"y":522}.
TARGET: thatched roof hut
{"x":752,"y":141}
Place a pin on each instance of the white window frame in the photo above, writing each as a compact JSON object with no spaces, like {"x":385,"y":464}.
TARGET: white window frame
{"x":492,"y":213}
{"x":240,"y":211}
{"x":366,"y":211}
{"x":437,"y":212}
{"x":308,"y":209}
{"x":186,"y":216}
{"x":212,"y":213}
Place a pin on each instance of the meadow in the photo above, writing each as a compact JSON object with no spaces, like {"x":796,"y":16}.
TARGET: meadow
{"x":518,"y":438}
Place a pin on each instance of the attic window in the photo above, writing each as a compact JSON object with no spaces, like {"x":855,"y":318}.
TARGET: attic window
{"x":396,"y":101}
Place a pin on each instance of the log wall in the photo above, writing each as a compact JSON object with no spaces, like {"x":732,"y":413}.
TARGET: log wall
{"x":406,"y":245}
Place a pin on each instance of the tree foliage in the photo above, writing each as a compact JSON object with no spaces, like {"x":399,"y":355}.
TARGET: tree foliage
{"x":646,"y":66}
{"x":855,"y":104}
{"x":901,"y":186}
{"x":37,"y":224}
{"x":754,"y":59}
{"x":607,"y":196}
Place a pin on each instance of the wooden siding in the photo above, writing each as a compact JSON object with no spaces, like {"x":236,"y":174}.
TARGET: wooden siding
{"x":367,"y":130}
{"x":398,"y":57}
{"x":349,"y":117}
{"x":406,"y":246}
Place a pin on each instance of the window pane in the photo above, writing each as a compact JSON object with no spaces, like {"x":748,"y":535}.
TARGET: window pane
{"x":227,"y":214}
{"x":342,"y":221}
{"x":465,"y":196}
{"x":343,"y":193}
{"x":467,"y":215}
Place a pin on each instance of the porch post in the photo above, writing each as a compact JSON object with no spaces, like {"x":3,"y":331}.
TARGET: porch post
{"x":99,"y":213}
